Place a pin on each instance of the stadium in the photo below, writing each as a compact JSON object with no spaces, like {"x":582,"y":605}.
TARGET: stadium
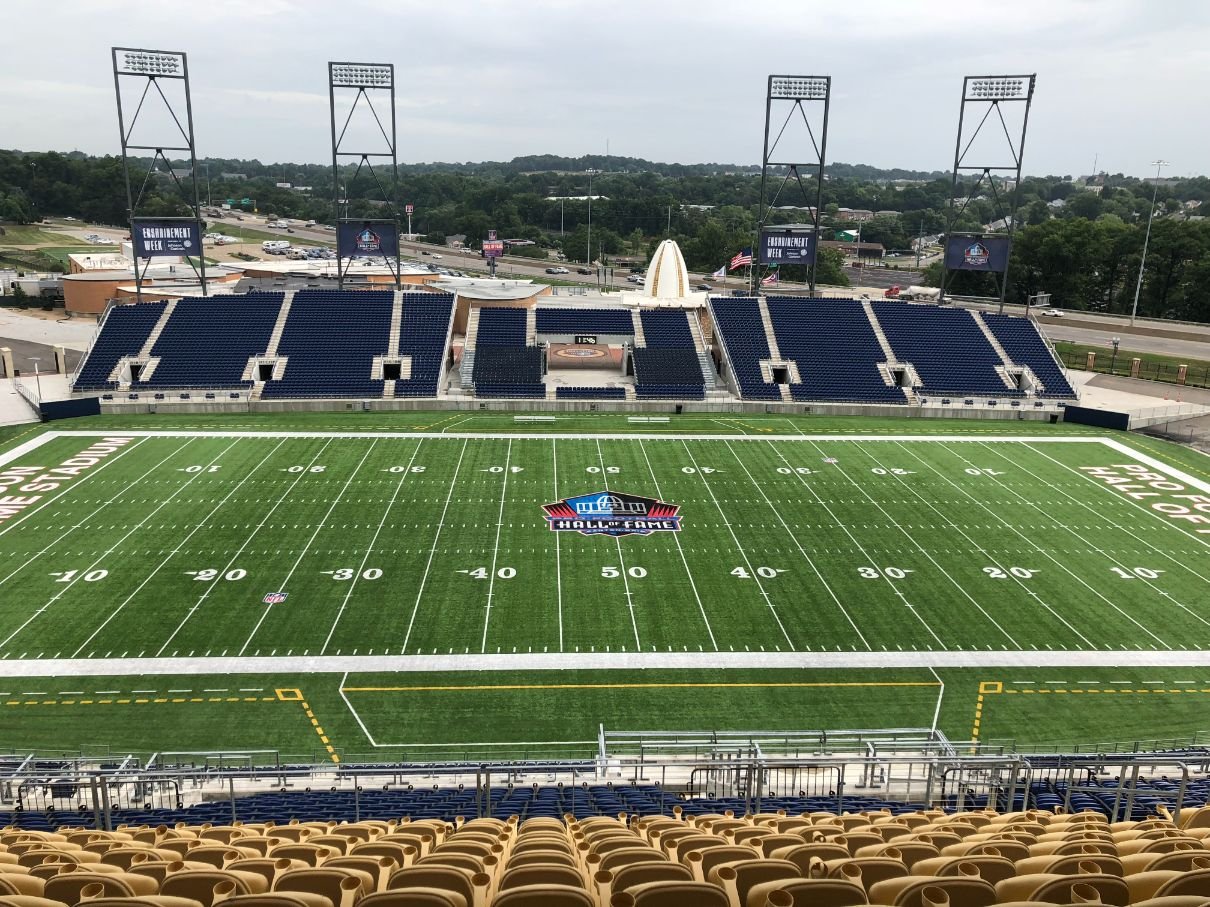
{"x":328,"y":589}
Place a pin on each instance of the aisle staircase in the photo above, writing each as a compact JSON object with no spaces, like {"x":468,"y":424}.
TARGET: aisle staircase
{"x":770,"y":334}
{"x":640,"y":339}
{"x":145,"y":352}
{"x":699,"y":344}
{"x":1005,"y":359}
{"x":466,"y":369}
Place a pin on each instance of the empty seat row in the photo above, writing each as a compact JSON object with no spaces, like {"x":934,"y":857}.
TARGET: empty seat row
{"x":561,"y":320}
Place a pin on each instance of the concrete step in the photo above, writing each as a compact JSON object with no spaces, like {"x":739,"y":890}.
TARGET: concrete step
{"x":1000,"y":351}
{"x":396,"y":322}
{"x":145,"y":351}
{"x":630,"y":394}
{"x":640,"y":339}
{"x":770,"y":334}
{"x":531,"y":327}
{"x":278,"y":327}
{"x":879,"y":333}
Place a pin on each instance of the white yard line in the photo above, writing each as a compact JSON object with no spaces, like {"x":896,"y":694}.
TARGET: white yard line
{"x":621,"y":560}
{"x":738,"y":547}
{"x":1161,"y":517}
{"x":433,"y":550}
{"x":352,"y":711}
{"x":676,"y":536}
{"x":491,"y":579}
{"x":774,"y":509}
{"x":543,"y":661}
{"x":369,"y":549}
{"x":860,"y":547}
{"x":1059,"y":617}
{"x":915,"y":542}
{"x":307,"y":547}
{"x":181,"y":544}
{"x":206,"y":594}
{"x":108,"y":551}
{"x":83,"y":520}
{"x":72,"y":484}
{"x":554,"y":456}
{"x":1058,"y":563}
{"x":1102,"y":518}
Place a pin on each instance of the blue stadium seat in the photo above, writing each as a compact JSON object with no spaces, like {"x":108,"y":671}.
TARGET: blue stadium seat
{"x":123,"y":333}
{"x":1024,"y":344}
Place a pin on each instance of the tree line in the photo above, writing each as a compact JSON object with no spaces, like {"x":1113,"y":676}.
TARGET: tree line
{"x":1078,"y":239}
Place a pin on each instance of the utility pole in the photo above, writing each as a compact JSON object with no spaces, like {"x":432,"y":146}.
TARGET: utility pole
{"x":669,"y":220}
{"x":588,"y":260}
{"x":1146,"y":239}
{"x":919,"y":243}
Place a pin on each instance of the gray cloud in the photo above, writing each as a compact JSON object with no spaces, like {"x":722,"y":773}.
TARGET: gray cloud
{"x":1123,"y":80}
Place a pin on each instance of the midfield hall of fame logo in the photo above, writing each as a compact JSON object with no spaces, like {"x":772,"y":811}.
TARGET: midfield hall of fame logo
{"x":612,"y":513}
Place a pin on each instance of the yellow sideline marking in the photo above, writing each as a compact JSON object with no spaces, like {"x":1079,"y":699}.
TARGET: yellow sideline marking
{"x":996,"y":688}
{"x":635,"y":686}
{"x":293,"y":694}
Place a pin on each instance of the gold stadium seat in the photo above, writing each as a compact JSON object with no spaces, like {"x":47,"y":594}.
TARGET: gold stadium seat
{"x":672,"y":894}
{"x":21,"y":883}
{"x":66,"y":886}
{"x":1181,"y":858}
{"x":266,"y":866}
{"x":1108,"y":863}
{"x":739,"y":877}
{"x":414,"y":897}
{"x":343,"y":887}
{"x":1058,"y":889}
{"x":150,"y":900}
{"x":538,"y":874}
{"x":277,"y":899}
{"x":376,"y":869}
{"x":200,"y":884}
{"x":28,"y":900}
{"x":700,"y":862}
{"x":989,"y":868}
{"x":806,"y":893}
{"x":543,"y":896}
{"x":403,"y":854}
{"x":472,"y":887}
{"x":1158,"y":883}
{"x":919,"y":891}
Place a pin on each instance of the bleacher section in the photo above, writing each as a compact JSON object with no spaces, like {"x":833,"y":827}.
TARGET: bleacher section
{"x":667,"y":368}
{"x":330,"y":341}
{"x":737,"y":321}
{"x":641,"y":853}
{"x":949,"y":352}
{"x":835,"y":347}
{"x":504,"y":365}
{"x":423,"y":334}
{"x":584,"y":321}
{"x":206,"y":342}
{"x":124,"y":332}
{"x":1025,"y":346}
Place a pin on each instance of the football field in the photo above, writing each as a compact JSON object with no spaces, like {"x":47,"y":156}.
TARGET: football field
{"x":407,"y":561}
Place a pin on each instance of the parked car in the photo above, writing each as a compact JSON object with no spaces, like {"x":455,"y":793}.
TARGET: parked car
{"x":1052,"y":313}
{"x":583,"y":270}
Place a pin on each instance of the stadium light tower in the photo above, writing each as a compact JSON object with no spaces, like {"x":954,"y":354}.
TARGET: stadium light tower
{"x":794,"y":150}
{"x":361,"y":79}
{"x":152,"y":69}
{"x":1138,"y":287}
{"x":979,"y":252}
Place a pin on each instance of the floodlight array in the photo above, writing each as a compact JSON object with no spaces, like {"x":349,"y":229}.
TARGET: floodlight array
{"x":997,"y":88}
{"x":361,"y":75}
{"x":786,"y":88}
{"x":151,"y":63}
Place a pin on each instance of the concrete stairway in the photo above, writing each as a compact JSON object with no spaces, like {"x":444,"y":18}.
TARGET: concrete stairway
{"x":770,"y":334}
{"x":278,"y":327}
{"x":695,"y":328}
{"x":630,"y":394}
{"x":531,"y":326}
{"x":466,"y":370}
{"x":396,"y":322}
{"x":1000,"y":351}
{"x":640,"y":339}
{"x":145,"y":351}
{"x":879,"y":333}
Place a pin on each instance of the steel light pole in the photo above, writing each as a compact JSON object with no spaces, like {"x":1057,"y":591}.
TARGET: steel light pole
{"x":588,"y":261}
{"x":1138,"y":287}
{"x":37,"y":375}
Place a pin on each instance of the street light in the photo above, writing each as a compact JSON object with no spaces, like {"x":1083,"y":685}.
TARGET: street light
{"x":588,"y":261}
{"x":1147,"y":238}
{"x":1114,"y":358}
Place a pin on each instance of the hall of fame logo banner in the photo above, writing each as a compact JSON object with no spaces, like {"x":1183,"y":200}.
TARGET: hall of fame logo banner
{"x":612,"y":513}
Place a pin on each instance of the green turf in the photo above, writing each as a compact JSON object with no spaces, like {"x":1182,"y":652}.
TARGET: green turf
{"x":33,"y":235}
{"x":436,"y":546}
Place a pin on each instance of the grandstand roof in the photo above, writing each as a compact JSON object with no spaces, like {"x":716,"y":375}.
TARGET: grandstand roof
{"x":494,"y":290}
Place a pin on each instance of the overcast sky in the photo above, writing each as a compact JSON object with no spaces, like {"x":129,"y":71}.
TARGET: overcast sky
{"x":1119,"y":81}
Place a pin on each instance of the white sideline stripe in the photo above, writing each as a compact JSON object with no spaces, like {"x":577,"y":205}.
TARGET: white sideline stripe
{"x":563,"y":436}
{"x":565,"y":661}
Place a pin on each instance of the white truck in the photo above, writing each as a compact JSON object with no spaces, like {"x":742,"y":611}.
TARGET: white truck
{"x":275,"y":246}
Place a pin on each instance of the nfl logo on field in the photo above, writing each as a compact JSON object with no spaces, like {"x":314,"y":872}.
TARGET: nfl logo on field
{"x":275,"y":598}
